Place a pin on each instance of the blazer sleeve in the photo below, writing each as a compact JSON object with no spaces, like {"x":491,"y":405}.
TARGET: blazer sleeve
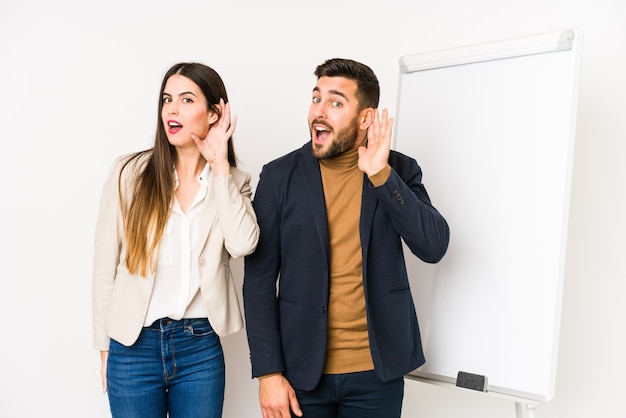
{"x":405,"y":200}
{"x":107,"y":247}
{"x":237,"y":217}
{"x":261,"y":270}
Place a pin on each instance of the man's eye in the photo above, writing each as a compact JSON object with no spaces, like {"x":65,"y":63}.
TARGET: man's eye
{"x":336,"y":104}
{"x":316,"y":100}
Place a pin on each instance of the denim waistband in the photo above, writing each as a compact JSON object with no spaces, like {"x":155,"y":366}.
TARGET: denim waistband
{"x":173,"y":323}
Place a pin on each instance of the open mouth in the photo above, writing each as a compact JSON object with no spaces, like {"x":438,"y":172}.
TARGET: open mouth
{"x":174,"y":126}
{"x":321,"y":133}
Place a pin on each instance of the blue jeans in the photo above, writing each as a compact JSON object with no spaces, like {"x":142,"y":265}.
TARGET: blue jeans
{"x":174,"y":367}
{"x":353,"y":395}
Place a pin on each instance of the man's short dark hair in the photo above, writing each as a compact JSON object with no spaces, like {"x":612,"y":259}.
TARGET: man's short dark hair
{"x":368,"y":89}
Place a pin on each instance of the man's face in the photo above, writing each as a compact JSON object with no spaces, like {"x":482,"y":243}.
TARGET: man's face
{"x":333,"y":117}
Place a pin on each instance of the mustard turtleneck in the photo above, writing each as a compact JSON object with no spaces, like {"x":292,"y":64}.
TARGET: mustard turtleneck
{"x":348,"y":347}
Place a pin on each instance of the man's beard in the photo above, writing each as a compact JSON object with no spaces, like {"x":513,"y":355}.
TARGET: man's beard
{"x":344,"y":141}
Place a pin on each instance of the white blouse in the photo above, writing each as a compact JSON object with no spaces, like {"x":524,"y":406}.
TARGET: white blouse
{"x":176,"y":292}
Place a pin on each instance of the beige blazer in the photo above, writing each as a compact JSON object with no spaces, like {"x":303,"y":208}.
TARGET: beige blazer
{"x":120,"y":300}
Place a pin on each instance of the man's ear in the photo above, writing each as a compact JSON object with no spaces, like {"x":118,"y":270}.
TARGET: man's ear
{"x":366,"y":118}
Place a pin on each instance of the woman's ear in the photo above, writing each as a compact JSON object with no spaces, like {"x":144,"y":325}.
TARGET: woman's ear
{"x":213,"y":117}
{"x":366,"y":118}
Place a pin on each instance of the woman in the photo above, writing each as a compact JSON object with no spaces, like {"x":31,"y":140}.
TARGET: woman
{"x":169,"y":221}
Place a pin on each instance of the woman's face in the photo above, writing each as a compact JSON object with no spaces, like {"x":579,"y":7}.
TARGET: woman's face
{"x":184,"y":111}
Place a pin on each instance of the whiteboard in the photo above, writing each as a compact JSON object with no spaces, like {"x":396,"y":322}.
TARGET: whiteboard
{"x":492,"y":127}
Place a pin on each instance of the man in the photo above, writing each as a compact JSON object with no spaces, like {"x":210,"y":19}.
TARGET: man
{"x":340,"y":332}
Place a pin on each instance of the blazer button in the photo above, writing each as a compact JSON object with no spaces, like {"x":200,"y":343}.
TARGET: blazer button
{"x":398,"y":196}
{"x":202,"y":262}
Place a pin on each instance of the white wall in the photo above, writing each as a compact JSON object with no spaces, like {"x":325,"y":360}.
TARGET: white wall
{"x":79,"y":85}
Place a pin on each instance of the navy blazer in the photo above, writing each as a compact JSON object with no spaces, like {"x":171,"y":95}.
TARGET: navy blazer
{"x":287,"y":278}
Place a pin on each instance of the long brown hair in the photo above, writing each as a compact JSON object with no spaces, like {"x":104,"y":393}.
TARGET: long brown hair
{"x":152,"y":194}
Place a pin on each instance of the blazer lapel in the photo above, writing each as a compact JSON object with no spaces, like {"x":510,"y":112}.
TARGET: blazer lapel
{"x":207,"y":217}
{"x":368,"y":208}
{"x":312,"y":179}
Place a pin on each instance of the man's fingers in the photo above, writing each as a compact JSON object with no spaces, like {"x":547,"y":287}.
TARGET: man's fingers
{"x":294,"y":405}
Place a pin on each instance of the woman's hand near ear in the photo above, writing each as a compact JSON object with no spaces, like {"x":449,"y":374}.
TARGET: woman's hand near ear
{"x":214,"y":147}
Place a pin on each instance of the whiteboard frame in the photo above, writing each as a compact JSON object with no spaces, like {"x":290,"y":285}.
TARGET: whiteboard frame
{"x":488,"y":51}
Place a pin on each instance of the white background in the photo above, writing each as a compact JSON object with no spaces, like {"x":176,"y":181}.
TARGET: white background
{"x":79,"y":85}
